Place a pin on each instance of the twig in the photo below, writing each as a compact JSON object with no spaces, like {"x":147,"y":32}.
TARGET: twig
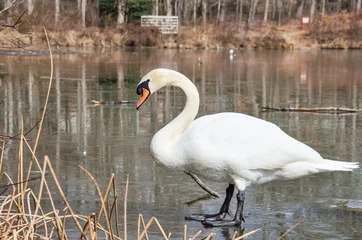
{"x":290,"y":229}
{"x":202,"y":185}
{"x":247,"y":234}
{"x":31,"y":179}
{"x":11,"y":4}
{"x":317,"y":110}
{"x":96,"y":103}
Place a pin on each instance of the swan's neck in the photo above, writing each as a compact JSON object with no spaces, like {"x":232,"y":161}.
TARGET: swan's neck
{"x":177,"y":126}
{"x":165,"y":140}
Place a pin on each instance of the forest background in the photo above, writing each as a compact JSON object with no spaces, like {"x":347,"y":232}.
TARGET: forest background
{"x":206,"y":24}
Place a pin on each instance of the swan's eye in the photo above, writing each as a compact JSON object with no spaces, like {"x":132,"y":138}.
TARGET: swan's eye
{"x":139,"y":90}
{"x":142,"y":85}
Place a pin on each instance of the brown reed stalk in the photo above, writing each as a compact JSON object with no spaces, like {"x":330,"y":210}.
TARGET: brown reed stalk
{"x":141,"y":220}
{"x":2,"y":155}
{"x":45,"y":105}
{"x":125,"y":208}
{"x":153,"y":219}
{"x":290,"y":229}
{"x":57,"y":219}
{"x":247,"y":234}
{"x":196,"y":235}
{"x":185,"y":232}
{"x":64,"y":198}
{"x":116,"y":207}
{"x":103,"y":207}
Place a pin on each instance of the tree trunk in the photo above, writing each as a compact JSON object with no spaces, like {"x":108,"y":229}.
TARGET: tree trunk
{"x":352,"y":6}
{"x":84,"y":7}
{"x":266,"y":11}
{"x":240,"y":17}
{"x":169,"y":8}
{"x":223,"y":10}
{"x":291,"y":4}
{"x":204,"y":12}
{"x":187,"y":10}
{"x":324,"y":8}
{"x":121,"y":8}
{"x":155,"y":7}
{"x":218,"y":10}
{"x":180,"y":9}
{"x":79,"y":4}
{"x":312,"y":10}
{"x":30,"y":6}
{"x":280,"y":10}
{"x":274,"y":9}
{"x":300,"y":10}
{"x":252,"y":11}
{"x":176,"y":8}
{"x":57,"y":11}
{"x":194,"y":16}
{"x":358,"y":6}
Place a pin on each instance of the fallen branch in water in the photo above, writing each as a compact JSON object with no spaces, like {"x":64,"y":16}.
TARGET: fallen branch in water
{"x":95,"y":102}
{"x":316,"y":110}
{"x":202,"y":185}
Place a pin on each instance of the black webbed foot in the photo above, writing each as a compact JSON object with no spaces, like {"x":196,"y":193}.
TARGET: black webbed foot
{"x":224,"y":210}
{"x":222,"y":223}
{"x":206,"y":217}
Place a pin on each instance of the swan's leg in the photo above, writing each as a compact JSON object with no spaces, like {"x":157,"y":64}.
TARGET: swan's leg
{"x":238,"y":215}
{"x":224,"y":210}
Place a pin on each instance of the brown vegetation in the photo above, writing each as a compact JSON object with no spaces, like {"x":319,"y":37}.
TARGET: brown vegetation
{"x":340,"y":31}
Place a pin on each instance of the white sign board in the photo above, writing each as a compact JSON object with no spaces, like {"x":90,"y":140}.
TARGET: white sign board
{"x":166,"y":24}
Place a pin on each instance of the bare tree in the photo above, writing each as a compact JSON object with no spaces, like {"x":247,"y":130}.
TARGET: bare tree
{"x":312,"y":10}
{"x":204,"y":12}
{"x":155,"y":7}
{"x":300,"y":9}
{"x":291,"y":4}
{"x":30,"y":6}
{"x":274,"y":9}
{"x":168,"y":8}
{"x":223,"y":11}
{"x":352,"y":6}
{"x":83,"y":10}
{"x":187,"y":10}
{"x":121,"y":12}
{"x":324,"y":8}
{"x":266,"y":11}
{"x":252,"y":11}
{"x":280,"y":10}
{"x":194,"y":16}
{"x":57,"y":11}
{"x":239,"y":11}
{"x":79,"y":4}
{"x":218,"y":10}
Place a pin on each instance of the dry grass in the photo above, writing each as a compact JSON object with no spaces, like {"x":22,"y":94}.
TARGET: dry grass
{"x":343,"y":29}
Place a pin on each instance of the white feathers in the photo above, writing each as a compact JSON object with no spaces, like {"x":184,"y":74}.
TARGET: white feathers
{"x":231,"y":147}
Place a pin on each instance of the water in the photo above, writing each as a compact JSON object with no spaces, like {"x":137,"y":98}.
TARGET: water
{"x":116,"y":137}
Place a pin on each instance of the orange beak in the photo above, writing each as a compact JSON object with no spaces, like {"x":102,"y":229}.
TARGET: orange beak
{"x":143,"y":98}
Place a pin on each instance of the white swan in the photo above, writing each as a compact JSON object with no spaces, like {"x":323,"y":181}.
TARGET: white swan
{"x":231,"y":147}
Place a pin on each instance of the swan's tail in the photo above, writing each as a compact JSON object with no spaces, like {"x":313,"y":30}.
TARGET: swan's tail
{"x":334,"y":165}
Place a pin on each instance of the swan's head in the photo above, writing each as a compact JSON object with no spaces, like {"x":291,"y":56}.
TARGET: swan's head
{"x":153,"y":81}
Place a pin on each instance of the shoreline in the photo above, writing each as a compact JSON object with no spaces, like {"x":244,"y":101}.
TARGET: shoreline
{"x":270,"y":37}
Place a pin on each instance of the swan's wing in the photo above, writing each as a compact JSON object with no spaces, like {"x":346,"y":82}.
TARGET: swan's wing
{"x":233,"y":140}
